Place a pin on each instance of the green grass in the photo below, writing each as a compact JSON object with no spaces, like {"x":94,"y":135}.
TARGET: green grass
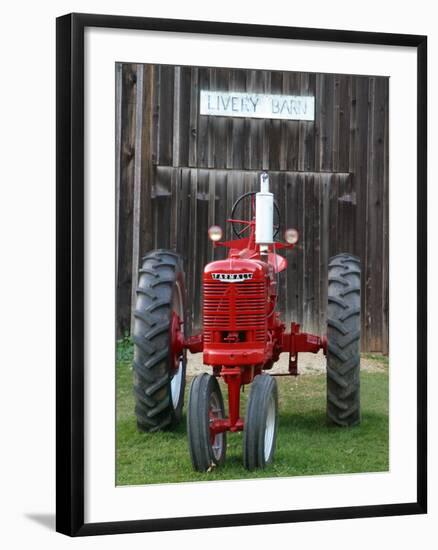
{"x":305,"y":444}
{"x":383,"y":360}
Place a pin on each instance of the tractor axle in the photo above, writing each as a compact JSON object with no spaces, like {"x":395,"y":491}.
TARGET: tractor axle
{"x":296,"y":341}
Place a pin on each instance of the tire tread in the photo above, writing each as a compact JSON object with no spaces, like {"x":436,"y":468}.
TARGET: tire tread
{"x":153,"y":404}
{"x":255,"y":422}
{"x":198,"y":433}
{"x":343,"y":341}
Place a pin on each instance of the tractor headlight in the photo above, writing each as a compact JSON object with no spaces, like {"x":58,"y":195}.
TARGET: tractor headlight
{"x":291,"y":236}
{"x":215,"y":233}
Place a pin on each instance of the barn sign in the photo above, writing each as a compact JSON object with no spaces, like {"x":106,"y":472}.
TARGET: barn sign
{"x":238,"y":104}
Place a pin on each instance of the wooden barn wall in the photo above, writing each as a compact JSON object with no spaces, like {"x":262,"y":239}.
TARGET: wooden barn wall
{"x":178,"y":172}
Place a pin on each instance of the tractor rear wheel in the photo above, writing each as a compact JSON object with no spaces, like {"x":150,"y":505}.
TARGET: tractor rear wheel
{"x":159,"y":370}
{"x":261,"y":421}
{"x":343,"y":340}
{"x":205,"y":405}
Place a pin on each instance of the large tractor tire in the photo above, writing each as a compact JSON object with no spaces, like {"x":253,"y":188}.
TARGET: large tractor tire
{"x":343,"y":340}
{"x":261,"y":421}
{"x":205,"y":404}
{"x":159,"y":372}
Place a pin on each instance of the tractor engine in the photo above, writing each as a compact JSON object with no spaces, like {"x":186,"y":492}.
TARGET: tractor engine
{"x":239,"y":294}
{"x":236,"y":304}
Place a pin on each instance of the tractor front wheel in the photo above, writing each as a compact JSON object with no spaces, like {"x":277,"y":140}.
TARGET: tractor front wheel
{"x":206,"y":404}
{"x":343,"y":340}
{"x":261,"y":420}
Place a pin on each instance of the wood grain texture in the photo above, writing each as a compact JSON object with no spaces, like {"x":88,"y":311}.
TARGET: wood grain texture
{"x":125,"y":196}
{"x":330,"y":177}
{"x":118,"y":153}
{"x":306,"y":129}
{"x":138,"y":171}
{"x":374,"y":266}
{"x":166,"y":103}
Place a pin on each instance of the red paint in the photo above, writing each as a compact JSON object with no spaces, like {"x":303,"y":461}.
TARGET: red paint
{"x":232,"y":377}
{"x":242,"y":333}
{"x":194,"y":344}
{"x":177,"y":343}
{"x":296,"y":342}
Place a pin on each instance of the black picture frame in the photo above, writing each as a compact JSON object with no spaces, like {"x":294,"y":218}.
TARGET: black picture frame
{"x":70,"y":273}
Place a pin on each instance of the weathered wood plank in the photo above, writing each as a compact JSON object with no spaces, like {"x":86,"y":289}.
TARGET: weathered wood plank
{"x":275,"y":133}
{"x":211,"y":122}
{"x":374,"y":271}
{"x":192,"y":250}
{"x":221,"y":83}
{"x":118,"y":153}
{"x":161,"y":206}
{"x":184,"y":115}
{"x":325,"y":102}
{"x":136,"y":199}
{"x":385,"y":231}
{"x":176,"y":150}
{"x":334,"y":123}
{"x":316,"y":249}
{"x":256,"y":82}
{"x":194,"y":110}
{"x":212,"y":204}
{"x":359,"y":127}
{"x":140,"y":211}
{"x":126,"y":187}
{"x":220,"y":208}
{"x":324,"y":218}
{"x":174,"y":210}
{"x":156,"y":114}
{"x":266,"y":123}
{"x":279,"y":188}
{"x":185,"y":239}
{"x":342,"y":123}
{"x":333,"y":214}
{"x":202,"y":242}
{"x":147,"y":173}
{"x":290,"y":129}
{"x":346,"y":222}
{"x":237,"y":145}
{"x":294,"y":218}
{"x":308,"y":251}
{"x":166,"y":110}
{"x":182,"y":213}
{"x":306,"y":129}
{"x":203,"y":122}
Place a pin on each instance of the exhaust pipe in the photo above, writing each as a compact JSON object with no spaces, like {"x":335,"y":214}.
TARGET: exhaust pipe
{"x":264,"y":214}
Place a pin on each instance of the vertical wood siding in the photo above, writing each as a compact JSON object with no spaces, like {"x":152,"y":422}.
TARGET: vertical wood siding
{"x":181,"y":172}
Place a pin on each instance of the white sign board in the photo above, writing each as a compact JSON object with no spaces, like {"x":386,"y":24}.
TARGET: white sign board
{"x":238,"y":104}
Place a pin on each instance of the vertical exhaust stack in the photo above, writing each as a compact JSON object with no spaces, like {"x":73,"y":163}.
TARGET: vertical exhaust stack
{"x":264,"y":215}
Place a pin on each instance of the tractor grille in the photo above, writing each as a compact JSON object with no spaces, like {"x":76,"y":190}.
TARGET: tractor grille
{"x":239,"y":307}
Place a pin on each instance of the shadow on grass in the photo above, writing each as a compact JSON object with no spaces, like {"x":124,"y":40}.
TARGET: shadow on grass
{"x":316,"y":420}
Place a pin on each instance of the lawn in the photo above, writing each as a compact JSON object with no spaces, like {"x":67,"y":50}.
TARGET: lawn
{"x":306,"y":445}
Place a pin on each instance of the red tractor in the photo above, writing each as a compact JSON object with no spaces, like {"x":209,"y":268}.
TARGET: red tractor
{"x":242,"y":337}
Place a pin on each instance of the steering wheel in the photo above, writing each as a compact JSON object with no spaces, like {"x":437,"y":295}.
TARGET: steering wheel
{"x":248,"y":224}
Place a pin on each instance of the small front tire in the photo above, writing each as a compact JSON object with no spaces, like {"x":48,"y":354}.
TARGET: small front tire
{"x":205,"y":404}
{"x":261,"y":423}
